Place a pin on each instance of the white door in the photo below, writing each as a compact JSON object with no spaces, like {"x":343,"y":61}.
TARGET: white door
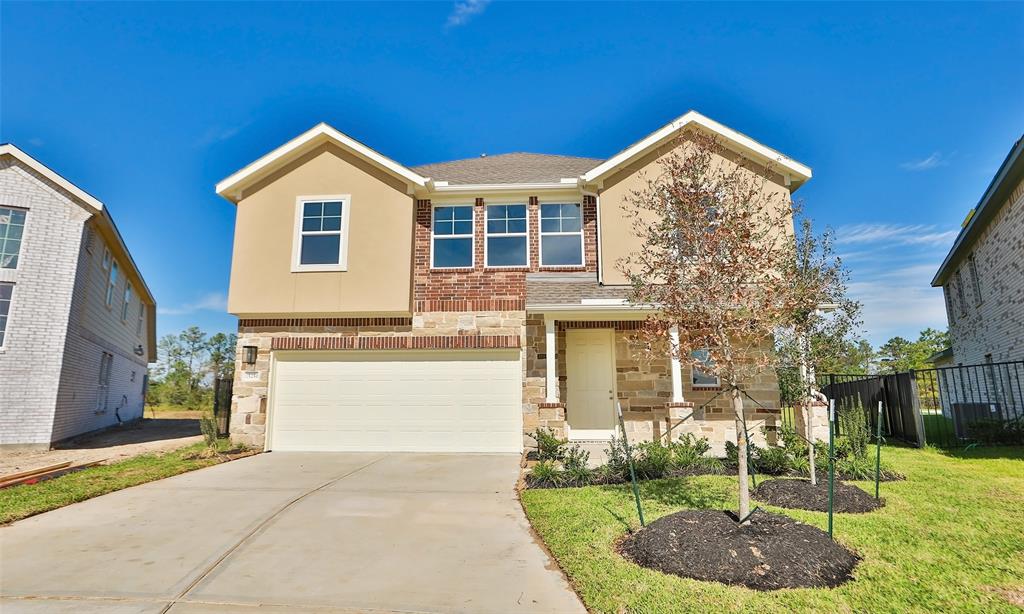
{"x":435,"y":401}
{"x":590,"y":383}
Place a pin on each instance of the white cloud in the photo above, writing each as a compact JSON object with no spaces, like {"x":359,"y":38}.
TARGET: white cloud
{"x":900,"y":234}
{"x":214,"y":301}
{"x":925,"y":164}
{"x":218,"y":134}
{"x":36,"y":141}
{"x":898,"y":300}
{"x":464,"y":11}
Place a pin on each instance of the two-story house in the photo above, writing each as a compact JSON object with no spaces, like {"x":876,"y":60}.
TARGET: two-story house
{"x":455,"y":306}
{"x":77,"y":322}
{"x":982,"y":276}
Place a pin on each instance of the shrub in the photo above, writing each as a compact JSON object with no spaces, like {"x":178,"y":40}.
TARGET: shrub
{"x":545,"y":473}
{"x":577,"y":475}
{"x":688,"y":451}
{"x":652,"y":460}
{"x":618,"y":460}
{"x":549,"y":447}
{"x":575,"y":458}
{"x":856,"y":467}
{"x":732,"y":454}
{"x":208,"y":426}
{"x":853,"y":424}
{"x":773,"y":460}
{"x":791,"y":441}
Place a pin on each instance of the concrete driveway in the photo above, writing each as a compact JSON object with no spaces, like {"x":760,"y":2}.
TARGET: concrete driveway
{"x":292,"y":532}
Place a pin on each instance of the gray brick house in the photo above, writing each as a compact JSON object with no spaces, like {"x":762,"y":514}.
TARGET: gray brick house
{"x":982,"y":277}
{"x":77,"y":322}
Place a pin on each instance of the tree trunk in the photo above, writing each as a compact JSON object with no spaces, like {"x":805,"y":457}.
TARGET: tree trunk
{"x":741,"y":460}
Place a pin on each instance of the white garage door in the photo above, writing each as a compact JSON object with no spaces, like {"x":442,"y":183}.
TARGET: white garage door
{"x":436,"y":401}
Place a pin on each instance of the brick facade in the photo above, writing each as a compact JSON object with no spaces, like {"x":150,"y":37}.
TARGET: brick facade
{"x":991,"y":323}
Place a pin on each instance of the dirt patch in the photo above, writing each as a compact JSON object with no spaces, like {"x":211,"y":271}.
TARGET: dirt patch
{"x":1012,"y":595}
{"x":802,"y":495}
{"x":115,"y":444}
{"x":772,"y":552}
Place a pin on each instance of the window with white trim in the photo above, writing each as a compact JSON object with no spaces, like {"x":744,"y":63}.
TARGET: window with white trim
{"x":975,"y":280}
{"x":111,"y":283}
{"x":322,"y":234}
{"x":506,"y":236}
{"x":127,"y":301}
{"x":451,"y":239}
{"x":142,"y":317}
{"x":6,"y":296}
{"x":701,"y":378}
{"x":12,"y":229}
{"x":106,"y":258}
{"x":561,"y":235}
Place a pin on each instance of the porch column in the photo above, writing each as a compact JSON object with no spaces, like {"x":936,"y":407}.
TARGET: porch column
{"x":677,"y":368}
{"x":551,"y":360}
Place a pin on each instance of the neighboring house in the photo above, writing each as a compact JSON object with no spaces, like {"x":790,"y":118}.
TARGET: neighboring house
{"x":982,"y":277}
{"x":455,"y":306}
{"x":77,"y":322}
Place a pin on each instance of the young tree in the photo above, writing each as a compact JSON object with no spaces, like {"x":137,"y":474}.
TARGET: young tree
{"x":717,"y":244}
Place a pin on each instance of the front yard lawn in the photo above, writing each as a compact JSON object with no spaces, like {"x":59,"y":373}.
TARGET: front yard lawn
{"x":25,"y":500}
{"x":950,"y":538}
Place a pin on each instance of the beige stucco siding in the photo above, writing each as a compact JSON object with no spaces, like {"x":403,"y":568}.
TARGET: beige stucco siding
{"x":617,"y":236}
{"x":378,"y":275}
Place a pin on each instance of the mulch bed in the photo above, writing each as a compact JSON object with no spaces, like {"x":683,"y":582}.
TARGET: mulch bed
{"x":800,"y":494}
{"x":772,"y":552}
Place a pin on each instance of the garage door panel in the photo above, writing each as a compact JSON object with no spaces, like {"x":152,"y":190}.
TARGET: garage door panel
{"x":395,"y":401}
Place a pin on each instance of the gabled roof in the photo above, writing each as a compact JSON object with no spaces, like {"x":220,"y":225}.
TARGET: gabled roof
{"x":508,"y":168}
{"x":231,"y":187}
{"x":84,"y":197}
{"x":1009,"y":175}
{"x":798,"y":173}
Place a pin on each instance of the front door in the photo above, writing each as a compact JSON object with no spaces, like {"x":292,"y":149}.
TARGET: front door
{"x":590,"y":375}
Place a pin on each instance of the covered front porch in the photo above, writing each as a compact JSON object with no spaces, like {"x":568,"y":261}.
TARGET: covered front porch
{"x":580,"y":363}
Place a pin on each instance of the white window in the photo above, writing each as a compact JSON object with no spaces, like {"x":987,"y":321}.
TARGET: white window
{"x":321,"y":229}
{"x":106,"y":259}
{"x":561,"y":235}
{"x":451,"y":238}
{"x":111,"y":283}
{"x":506,"y":238}
{"x":960,"y":292}
{"x":12,"y":229}
{"x":103,"y":385}
{"x":127,"y":301}
{"x":6,"y":295}
{"x":702,"y":378}
{"x":975,"y":280}
{"x":142,"y":317}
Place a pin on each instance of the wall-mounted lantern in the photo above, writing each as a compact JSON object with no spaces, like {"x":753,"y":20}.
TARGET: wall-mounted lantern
{"x":249,"y":354}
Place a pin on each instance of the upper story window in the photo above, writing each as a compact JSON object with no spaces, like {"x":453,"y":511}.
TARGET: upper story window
{"x":960,"y":292}
{"x":107,"y":259}
{"x":701,"y":378}
{"x":322,"y":233}
{"x":6,"y":294}
{"x":975,"y":280}
{"x":947,"y":290}
{"x":111,"y":283}
{"x":561,"y":235}
{"x":12,"y":229}
{"x":506,"y":240}
{"x":142,"y":317}
{"x":451,"y":242}
{"x":127,"y":301}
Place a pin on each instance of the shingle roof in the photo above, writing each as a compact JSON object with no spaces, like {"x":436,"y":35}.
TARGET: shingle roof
{"x":508,"y":168}
{"x":568,"y":289}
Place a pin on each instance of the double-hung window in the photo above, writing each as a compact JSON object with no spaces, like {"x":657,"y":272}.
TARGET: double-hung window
{"x":111,"y":283}
{"x":322,"y":233}
{"x":506,"y":236}
{"x":6,"y":294}
{"x":142,"y":316}
{"x":127,"y":301}
{"x":561,"y":235}
{"x":452,"y":237}
{"x":702,"y":378}
{"x":12,"y":229}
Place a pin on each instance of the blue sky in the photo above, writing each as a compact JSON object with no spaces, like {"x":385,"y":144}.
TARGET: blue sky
{"x":904,"y":111}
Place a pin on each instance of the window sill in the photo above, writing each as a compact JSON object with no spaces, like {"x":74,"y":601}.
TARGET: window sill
{"x":519,"y":267}
{"x":451,"y":269}
{"x":332,"y":268}
{"x":708,"y":388}
{"x":559,"y":268}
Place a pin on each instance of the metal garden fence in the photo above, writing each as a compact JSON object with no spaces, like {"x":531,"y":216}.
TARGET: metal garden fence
{"x":222,"y":388}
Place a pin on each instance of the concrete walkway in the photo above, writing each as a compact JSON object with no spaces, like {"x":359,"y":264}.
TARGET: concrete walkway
{"x":290,"y":532}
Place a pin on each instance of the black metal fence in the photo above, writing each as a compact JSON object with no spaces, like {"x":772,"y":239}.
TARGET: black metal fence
{"x":944,"y":407}
{"x":222,"y":388}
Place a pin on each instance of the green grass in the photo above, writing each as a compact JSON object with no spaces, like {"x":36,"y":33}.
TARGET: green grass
{"x":949,"y":537}
{"x":166,"y":408}
{"x":19,"y":502}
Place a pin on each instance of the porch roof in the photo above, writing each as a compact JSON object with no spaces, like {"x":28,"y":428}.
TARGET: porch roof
{"x":571,"y":289}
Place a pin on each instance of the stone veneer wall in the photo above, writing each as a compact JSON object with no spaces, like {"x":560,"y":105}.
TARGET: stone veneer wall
{"x":645,"y":391}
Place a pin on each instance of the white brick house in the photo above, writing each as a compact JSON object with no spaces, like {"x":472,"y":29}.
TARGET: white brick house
{"x":982,"y":277}
{"x":77,"y":322}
